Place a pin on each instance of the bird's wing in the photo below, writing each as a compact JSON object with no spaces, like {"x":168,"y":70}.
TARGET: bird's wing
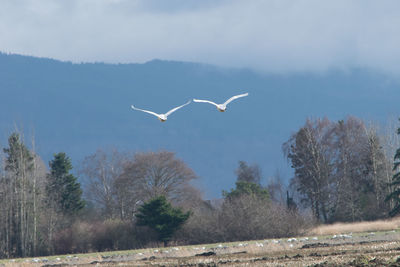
{"x":234,"y":97}
{"x":205,"y":101}
{"x":175,"y":109}
{"x":150,"y":112}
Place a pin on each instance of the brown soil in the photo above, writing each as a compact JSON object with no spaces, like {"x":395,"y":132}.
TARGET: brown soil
{"x":364,"y":249}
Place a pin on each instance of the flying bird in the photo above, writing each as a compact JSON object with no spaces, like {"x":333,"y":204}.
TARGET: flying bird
{"x":221,"y":107}
{"x":161,"y":117}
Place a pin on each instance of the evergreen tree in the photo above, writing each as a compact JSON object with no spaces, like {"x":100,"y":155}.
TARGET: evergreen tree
{"x":19,"y":158}
{"x":63,"y":190}
{"x":395,"y":195}
{"x":159,"y":215}
{"x":18,"y":197}
{"x":247,"y":188}
{"x":247,"y":183}
{"x":246,"y":173}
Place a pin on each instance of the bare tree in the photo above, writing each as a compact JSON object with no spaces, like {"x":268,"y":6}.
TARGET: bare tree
{"x":390,"y":143}
{"x":38,"y":182}
{"x":38,"y":212}
{"x":277,"y":188}
{"x":150,"y":175}
{"x":340,"y":168}
{"x":101,"y":170}
{"x":360,"y":172}
{"x":348,"y":145}
{"x":378,"y":166}
{"x":4,"y":240}
{"x":310,"y":155}
{"x":20,"y":197}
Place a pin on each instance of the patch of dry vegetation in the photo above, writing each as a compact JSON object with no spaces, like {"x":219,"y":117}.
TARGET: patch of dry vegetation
{"x":359,"y":250}
{"x":342,"y":228}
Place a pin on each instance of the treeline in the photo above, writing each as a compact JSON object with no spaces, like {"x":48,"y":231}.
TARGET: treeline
{"x":35,"y":204}
{"x":343,"y":171}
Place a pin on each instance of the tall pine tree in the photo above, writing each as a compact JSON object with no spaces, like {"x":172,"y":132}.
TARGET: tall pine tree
{"x":63,"y":190}
{"x":395,"y":195}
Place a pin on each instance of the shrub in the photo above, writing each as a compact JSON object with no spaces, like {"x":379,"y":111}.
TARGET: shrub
{"x":76,"y":238}
{"x":112,"y":234}
{"x":243,"y":218}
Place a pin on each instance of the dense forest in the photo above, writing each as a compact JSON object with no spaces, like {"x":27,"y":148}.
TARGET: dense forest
{"x":343,"y":171}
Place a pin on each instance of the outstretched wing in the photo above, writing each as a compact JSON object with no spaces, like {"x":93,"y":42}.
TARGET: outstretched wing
{"x":234,"y":97}
{"x":205,"y":101}
{"x":150,"y":112}
{"x":175,"y":109}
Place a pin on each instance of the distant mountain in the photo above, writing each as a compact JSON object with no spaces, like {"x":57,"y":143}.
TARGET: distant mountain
{"x":78,"y":108}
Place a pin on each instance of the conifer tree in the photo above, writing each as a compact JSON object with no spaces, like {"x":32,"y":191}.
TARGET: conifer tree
{"x":159,"y":215}
{"x":17,"y":155}
{"x":63,"y":190}
{"x":395,"y":195}
{"x":247,"y":183}
{"x":247,"y":188}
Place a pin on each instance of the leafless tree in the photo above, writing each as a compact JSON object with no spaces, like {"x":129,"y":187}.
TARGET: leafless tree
{"x":340,"y":168}
{"x":390,"y":143}
{"x":309,"y":151}
{"x":360,"y":170}
{"x":379,"y":167}
{"x":277,"y":188}
{"x":20,"y":196}
{"x":101,"y":170}
{"x":152,"y":174}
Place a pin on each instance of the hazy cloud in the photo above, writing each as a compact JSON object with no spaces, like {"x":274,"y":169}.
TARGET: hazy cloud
{"x":275,"y":35}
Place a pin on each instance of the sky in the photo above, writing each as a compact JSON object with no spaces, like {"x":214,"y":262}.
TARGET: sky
{"x":268,"y":35}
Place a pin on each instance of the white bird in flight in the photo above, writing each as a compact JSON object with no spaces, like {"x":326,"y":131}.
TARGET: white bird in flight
{"x":161,"y":117}
{"x":221,"y":107}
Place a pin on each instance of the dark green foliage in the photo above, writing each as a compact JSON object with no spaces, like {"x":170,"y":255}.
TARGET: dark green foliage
{"x":63,"y":189}
{"x":395,"y":195}
{"x":18,"y":156}
{"x":159,"y":215}
{"x":247,"y":188}
{"x":247,"y":183}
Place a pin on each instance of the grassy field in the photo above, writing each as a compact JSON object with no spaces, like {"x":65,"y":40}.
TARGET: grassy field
{"x":342,"y":228}
{"x":358,"y":244}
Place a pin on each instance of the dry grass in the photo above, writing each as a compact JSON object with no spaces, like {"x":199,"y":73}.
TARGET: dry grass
{"x":282,"y":252}
{"x":343,"y":228}
{"x":369,"y":250}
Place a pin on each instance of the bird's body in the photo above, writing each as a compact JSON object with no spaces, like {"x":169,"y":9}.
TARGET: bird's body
{"x":161,"y":117}
{"x":221,"y":107}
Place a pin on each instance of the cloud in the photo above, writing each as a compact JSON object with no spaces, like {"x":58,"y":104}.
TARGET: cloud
{"x":275,"y":35}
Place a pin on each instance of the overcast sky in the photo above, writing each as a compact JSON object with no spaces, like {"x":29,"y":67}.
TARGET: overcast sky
{"x":268,"y":35}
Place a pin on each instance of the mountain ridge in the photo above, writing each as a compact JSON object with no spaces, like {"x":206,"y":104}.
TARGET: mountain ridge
{"x":80,"y":107}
